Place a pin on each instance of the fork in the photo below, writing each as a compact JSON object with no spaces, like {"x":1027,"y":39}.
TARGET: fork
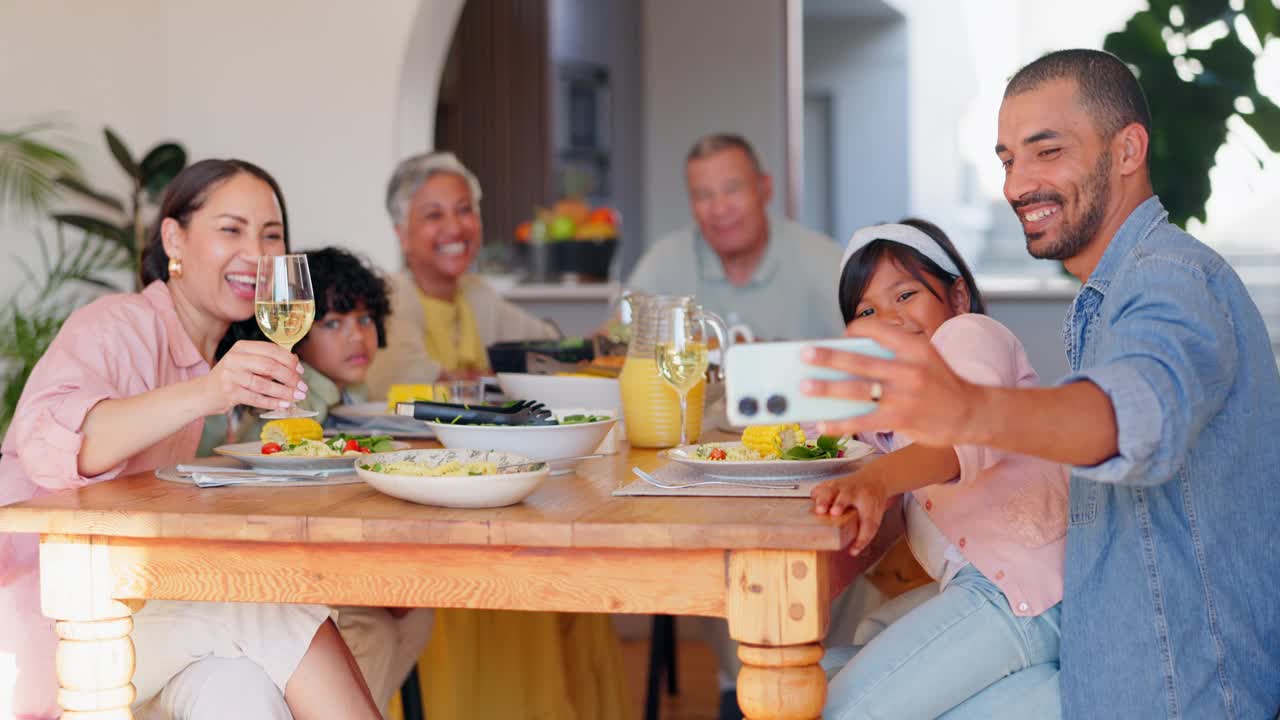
{"x":678,"y":486}
{"x":201,"y":480}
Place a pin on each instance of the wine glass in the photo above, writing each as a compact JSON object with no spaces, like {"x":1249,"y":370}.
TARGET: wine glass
{"x":285,"y":306}
{"x":681,"y":354}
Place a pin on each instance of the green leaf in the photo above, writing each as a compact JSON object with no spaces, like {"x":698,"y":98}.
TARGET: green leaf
{"x":121,"y":153}
{"x":800,"y":452}
{"x":1264,"y":17}
{"x":1202,"y":12}
{"x":1265,"y":120}
{"x":1140,"y":39}
{"x":27,"y":340}
{"x":826,"y":446}
{"x":1160,"y":8}
{"x":28,"y":168}
{"x":98,"y":228}
{"x":1228,"y":64}
{"x":161,"y":164}
{"x":79,"y":187}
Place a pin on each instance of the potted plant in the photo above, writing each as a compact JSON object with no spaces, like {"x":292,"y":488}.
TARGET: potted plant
{"x":32,"y":174}
{"x":1195,"y":60}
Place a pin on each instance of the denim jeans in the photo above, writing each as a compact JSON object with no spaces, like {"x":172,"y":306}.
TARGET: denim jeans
{"x":961,"y":653}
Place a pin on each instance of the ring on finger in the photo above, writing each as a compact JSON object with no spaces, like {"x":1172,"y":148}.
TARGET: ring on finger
{"x":877,"y":391}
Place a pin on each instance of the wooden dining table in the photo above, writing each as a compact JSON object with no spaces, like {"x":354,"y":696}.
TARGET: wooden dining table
{"x":767,"y":565}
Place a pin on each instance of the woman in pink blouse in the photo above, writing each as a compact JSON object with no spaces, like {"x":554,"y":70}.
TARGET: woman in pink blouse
{"x":125,"y":387}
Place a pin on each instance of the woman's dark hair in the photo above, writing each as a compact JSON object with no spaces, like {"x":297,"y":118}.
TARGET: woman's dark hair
{"x":342,"y":283}
{"x":857,"y":272}
{"x":186,"y":194}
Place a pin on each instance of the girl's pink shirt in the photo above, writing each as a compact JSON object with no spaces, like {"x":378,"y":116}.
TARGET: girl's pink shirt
{"x":118,"y":346}
{"x":1007,"y":513}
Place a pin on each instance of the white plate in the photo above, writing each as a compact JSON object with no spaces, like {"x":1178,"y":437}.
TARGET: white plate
{"x":766,"y":469}
{"x":250,"y":453}
{"x":463,"y":491}
{"x":372,"y":417}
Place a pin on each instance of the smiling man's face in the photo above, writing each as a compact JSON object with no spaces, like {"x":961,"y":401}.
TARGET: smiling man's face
{"x":1058,"y":169}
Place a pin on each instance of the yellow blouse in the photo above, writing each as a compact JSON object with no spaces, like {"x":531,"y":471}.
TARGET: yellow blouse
{"x":451,"y":336}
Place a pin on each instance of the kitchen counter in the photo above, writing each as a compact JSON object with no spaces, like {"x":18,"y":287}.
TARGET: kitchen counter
{"x":1032,"y":307}
{"x":1021,"y":287}
{"x":559,"y":292}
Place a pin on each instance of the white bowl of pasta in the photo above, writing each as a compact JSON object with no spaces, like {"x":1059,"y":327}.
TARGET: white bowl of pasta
{"x":456,"y":478}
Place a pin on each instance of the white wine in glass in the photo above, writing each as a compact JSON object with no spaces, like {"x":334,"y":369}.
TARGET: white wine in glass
{"x":285,"y":307}
{"x":284,"y":323}
{"x":682,"y":367}
{"x":681,"y":355}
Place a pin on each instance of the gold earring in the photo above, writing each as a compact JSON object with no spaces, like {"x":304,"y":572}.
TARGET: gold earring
{"x":175,"y":267}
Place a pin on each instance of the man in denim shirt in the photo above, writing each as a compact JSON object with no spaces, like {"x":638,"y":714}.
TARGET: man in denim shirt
{"x":1170,"y":419}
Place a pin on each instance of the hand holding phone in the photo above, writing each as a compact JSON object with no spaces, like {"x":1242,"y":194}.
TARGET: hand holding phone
{"x":762,"y":382}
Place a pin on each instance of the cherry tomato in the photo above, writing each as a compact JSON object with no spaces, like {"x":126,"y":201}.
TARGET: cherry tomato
{"x":717,"y":454}
{"x":351,"y":445}
{"x":268,"y":448}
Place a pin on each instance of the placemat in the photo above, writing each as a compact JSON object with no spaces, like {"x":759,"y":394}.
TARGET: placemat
{"x":170,"y":473}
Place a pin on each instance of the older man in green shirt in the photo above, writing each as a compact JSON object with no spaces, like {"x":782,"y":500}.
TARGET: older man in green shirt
{"x":740,"y":261}
{"x":769,"y":273}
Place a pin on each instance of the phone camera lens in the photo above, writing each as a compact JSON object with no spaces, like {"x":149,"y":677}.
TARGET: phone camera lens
{"x":748,"y":406}
{"x":776,"y":404}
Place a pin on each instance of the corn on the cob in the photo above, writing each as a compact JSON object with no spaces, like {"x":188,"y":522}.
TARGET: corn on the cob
{"x":408,"y":393}
{"x":772,"y":440}
{"x":291,"y":431}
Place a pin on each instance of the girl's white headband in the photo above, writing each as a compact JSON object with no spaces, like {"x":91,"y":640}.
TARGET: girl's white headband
{"x":912,"y":237}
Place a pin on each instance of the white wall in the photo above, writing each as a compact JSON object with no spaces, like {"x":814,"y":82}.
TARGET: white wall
{"x":604,"y":32}
{"x":709,"y":65}
{"x":861,"y":63}
{"x":325,"y":96}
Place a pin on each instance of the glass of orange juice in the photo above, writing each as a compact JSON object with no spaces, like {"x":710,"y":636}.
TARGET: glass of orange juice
{"x":651,"y":407}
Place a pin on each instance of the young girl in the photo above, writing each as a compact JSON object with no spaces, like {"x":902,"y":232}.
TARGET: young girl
{"x":988,"y":525}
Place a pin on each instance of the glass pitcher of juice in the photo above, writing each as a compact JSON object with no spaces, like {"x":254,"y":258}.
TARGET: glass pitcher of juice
{"x":650,"y":406}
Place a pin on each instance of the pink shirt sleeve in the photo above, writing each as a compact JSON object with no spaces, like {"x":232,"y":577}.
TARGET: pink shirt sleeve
{"x":982,"y":351}
{"x":82,"y":367}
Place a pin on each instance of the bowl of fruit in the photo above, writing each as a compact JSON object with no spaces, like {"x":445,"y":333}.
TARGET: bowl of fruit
{"x":579,"y":240}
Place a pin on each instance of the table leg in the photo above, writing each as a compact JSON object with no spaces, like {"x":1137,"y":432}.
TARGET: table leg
{"x":95,"y":657}
{"x":777,"y":606}
{"x":785,"y":683}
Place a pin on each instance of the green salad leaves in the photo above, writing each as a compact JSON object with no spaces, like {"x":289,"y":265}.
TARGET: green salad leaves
{"x":827,"y":446}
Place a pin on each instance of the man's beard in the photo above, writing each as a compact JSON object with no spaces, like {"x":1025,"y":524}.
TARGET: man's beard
{"x":1074,"y":236}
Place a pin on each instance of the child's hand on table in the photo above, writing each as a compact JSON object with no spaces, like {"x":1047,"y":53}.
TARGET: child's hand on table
{"x":863,"y":495}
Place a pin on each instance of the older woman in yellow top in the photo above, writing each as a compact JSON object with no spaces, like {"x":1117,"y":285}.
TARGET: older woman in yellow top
{"x":480,"y":663}
{"x":443,"y":317}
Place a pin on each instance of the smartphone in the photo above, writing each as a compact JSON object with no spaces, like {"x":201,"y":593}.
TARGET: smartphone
{"x":762,"y":382}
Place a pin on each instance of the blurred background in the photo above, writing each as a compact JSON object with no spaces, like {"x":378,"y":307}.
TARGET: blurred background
{"x":862,"y":110}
